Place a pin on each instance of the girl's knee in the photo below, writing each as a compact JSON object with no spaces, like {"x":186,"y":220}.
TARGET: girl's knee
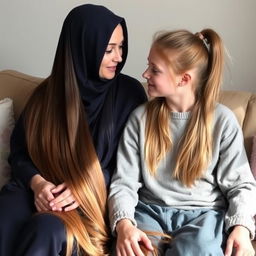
{"x":194,"y":246}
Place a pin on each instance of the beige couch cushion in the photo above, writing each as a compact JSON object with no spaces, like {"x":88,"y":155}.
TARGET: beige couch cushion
{"x":17,"y":86}
{"x":243,"y":104}
{"x":253,"y":157}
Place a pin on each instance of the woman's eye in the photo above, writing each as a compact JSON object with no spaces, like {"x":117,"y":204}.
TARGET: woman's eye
{"x":109,"y":51}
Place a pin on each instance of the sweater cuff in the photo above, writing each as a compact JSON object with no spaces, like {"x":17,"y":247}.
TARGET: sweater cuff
{"x":119,"y":216}
{"x":242,"y":221}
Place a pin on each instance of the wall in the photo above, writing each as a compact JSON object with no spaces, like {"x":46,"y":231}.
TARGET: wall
{"x":29,"y":31}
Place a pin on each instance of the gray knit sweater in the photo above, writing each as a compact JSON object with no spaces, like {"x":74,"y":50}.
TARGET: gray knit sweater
{"x":227,"y":183}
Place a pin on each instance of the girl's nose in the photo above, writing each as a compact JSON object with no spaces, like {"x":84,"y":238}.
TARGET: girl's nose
{"x":145,"y":74}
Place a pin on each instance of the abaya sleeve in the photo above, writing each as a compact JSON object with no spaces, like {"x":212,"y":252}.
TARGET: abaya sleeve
{"x":22,"y":166}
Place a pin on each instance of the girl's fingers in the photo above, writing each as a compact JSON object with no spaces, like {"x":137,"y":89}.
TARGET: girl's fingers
{"x":123,"y":252}
{"x":137,"y":250}
{"x":146,"y":241}
{"x":118,"y":253}
{"x":129,"y":251}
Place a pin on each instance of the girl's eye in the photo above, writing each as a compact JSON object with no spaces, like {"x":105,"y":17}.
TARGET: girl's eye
{"x":154,"y":70}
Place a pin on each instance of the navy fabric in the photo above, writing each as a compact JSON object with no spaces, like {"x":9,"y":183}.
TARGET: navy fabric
{"x":42,"y":229}
{"x":17,"y":205}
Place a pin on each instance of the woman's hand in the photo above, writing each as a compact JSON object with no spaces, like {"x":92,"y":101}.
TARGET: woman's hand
{"x":129,"y":239}
{"x":42,"y":192}
{"x":64,"y":200}
{"x":239,"y":239}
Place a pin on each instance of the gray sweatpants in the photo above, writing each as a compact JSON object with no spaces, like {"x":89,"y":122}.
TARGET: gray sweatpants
{"x":194,"y":232}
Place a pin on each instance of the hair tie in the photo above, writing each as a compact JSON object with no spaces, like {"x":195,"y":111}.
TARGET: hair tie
{"x":205,"y":41}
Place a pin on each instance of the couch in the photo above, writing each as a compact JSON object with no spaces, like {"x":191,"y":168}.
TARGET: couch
{"x":18,"y":86}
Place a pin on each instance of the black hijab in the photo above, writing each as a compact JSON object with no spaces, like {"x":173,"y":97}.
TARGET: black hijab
{"x":88,"y":29}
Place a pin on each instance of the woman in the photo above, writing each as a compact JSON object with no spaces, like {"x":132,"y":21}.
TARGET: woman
{"x":63,"y":148}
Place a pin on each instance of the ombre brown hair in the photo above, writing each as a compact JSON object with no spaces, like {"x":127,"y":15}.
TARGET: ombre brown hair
{"x":61,"y":147}
{"x":183,"y":51}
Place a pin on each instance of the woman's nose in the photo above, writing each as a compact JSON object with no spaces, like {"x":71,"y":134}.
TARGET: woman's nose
{"x":118,"y":56}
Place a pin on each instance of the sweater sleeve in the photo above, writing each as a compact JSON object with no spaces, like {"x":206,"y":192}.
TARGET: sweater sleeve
{"x":123,"y":196}
{"x":235,"y":178}
{"x":22,"y":166}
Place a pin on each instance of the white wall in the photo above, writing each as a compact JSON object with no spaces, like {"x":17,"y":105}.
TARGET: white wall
{"x":29,"y":30}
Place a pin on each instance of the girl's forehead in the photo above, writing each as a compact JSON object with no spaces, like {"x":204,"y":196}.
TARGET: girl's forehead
{"x":155,"y":58}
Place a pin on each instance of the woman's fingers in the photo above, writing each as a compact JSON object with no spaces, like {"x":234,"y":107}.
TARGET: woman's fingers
{"x":42,"y":194}
{"x":62,"y":202}
{"x":71,"y":207}
{"x":61,"y":198}
{"x":65,"y":200}
{"x":59,"y":188}
{"x":40,"y":206}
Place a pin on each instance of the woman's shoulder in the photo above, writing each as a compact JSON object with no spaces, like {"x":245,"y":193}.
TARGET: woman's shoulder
{"x":128,"y":78}
{"x":131,"y":83}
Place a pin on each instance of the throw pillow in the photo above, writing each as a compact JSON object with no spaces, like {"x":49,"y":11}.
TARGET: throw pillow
{"x":253,"y":157}
{"x":6,"y":126}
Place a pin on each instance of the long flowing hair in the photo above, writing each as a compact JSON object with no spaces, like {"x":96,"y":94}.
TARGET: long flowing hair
{"x":61,"y":147}
{"x":183,"y":51}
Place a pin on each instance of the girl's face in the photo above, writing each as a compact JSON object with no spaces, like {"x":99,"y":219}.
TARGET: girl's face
{"x":113,"y":54}
{"x":162,"y":82}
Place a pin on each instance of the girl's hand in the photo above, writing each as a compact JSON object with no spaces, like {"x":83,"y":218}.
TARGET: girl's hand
{"x":42,"y":192}
{"x":239,"y":239}
{"x":128,"y":239}
{"x":64,"y":200}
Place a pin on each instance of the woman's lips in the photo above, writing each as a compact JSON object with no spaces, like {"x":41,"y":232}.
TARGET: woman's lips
{"x":112,"y":68}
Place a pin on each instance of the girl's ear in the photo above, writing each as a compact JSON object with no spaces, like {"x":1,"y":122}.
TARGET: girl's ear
{"x":185,"y":79}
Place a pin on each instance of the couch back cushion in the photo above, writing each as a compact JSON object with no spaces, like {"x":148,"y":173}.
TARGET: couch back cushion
{"x":243,"y":104}
{"x":18,"y":87}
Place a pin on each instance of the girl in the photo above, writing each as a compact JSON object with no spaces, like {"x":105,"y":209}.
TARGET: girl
{"x":181,"y":165}
{"x":63,"y":148}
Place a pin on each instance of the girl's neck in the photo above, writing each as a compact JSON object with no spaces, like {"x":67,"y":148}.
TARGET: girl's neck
{"x":181,"y":104}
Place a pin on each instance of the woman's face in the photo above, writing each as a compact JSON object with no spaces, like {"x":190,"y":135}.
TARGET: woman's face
{"x":113,"y":54}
